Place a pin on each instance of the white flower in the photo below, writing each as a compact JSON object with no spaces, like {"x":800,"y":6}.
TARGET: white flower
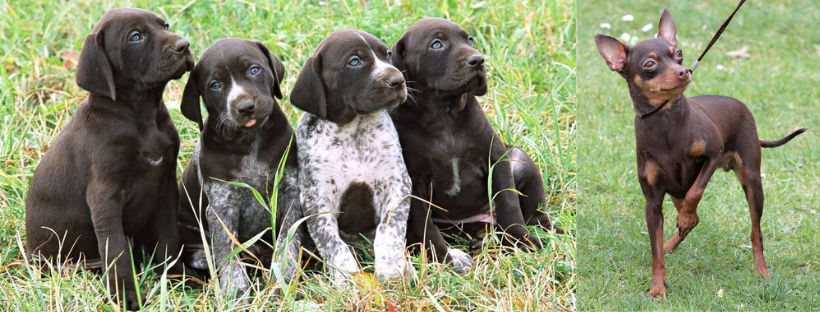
{"x":647,"y":27}
{"x":720,"y":293}
{"x":719,"y":67}
{"x":628,"y":18}
{"x":633,"y":40}
{"x":625,"y":37}
{"x":606,"y":26}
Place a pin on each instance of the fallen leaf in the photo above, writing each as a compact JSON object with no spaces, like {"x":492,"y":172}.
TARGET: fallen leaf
{"x":742,"y":53}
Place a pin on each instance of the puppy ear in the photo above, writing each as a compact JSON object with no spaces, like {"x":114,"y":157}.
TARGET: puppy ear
{"x":397,"y":57}
{"x":190,"y":100}
{"x":667,"y":29}
{"x":309,"y":90}
{"x":613,"y":51}
{"x":94,"y":72}
{"x":277,"y":67}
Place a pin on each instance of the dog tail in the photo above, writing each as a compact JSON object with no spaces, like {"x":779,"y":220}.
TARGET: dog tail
{"x":783,"y":140}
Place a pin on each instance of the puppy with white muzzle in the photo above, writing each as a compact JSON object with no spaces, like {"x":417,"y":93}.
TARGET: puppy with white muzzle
{"x":244,"y":139}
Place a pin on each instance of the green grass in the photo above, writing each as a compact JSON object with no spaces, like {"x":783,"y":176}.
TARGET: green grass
{"x":530,"y":51}
{"x":779,"y":84}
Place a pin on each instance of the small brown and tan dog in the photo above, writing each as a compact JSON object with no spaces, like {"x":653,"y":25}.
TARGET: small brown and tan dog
{"x":681,"y":141}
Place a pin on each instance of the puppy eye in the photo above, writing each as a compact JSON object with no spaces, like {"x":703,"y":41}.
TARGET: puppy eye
{"x":135,"y":37}
{"x":167,"y":26}
{"x":354,"y":62}
{"x":389,"y":55}
{"x":470,"y":41}
{"x":254,"y":70}
{"x":436,"y":44}
{"x":216,"y":85}
{"x":649,"y":64}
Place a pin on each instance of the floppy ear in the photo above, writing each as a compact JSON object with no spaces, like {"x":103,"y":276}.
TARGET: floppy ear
{"x":613,"y":51}
{"x":190,"y":100}
{"x":397,"y":57}
{"x":667,"y":29}
{"x":94,"y":72}
{"x":278,"y":70}
{"x":309,"y":90}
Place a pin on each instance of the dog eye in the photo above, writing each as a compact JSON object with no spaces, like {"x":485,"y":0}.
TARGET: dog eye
{"x":354,"y":62}
{"x":167,"y":26}
{"x":679,"y":53}
{"x":436,"y":44}
{"x":470,"y":41}
{"x":135,"y":37}
{"x":255,"y":70}
{"x":389,"y":55}
{"x":649,"y":64}
{"x":216,"y":85}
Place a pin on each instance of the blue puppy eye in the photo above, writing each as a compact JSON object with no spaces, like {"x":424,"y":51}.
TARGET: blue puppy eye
{"x":136,"y":37}
{"x":389,"y":55}
{"x":254,"y":70}
{"x":354,"y":62}
{"x":436,"y":44}
{"x":470,"y":41}
{"x":216,"y":85}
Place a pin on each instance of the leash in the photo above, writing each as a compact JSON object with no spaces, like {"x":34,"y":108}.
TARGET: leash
{"x":715,"y":38}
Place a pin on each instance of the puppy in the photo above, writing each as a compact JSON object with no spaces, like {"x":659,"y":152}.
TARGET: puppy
{"x":244,"y":139}
{"x":681,"y":141}
{"x":350,"y":161}
{"x":448,"y":143}
{"x":107,"y":184}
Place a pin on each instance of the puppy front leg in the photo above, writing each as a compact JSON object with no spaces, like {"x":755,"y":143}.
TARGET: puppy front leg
{"x":289,"y":210}
{"x":106,"y":205}
{"x":391,"y":233}
{"x":233,"y":279}
{"x":423,"y":229}
{"x":508,"y":209}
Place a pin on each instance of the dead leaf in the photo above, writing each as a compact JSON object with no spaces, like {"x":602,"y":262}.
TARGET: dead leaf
{"x":742,"y":53}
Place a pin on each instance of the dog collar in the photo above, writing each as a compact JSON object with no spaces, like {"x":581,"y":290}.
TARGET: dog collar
{"x":654,"y":110}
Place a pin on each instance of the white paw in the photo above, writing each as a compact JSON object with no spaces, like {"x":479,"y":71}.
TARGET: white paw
{"x":459,"y":260}
{"x":199,"y":260}
{"x":234,"y":281}
{"x":343,"y":268}
{"x":389,"y":270}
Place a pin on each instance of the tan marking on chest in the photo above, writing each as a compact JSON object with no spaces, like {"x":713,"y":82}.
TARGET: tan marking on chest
{"x":651,"y":171}
{"x":697,"y":149}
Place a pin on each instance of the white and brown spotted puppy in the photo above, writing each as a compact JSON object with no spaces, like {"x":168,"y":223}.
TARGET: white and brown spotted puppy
{"x":244,"y":138}
{"x":350,"y":161}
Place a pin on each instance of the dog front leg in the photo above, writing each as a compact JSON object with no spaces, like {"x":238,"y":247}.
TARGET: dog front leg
{"x":223,"y":218}
{"x":688,"y":214}
{"x":106,"y":205}
{"x":391,"y":232}
{"x":422,"y":229}
{"x":508,"y":209}
{"x":289,"y":211}
{"x":654,"y":224}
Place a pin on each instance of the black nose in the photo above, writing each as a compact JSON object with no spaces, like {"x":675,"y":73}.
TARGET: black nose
{"x":181,"y":46}
{"x":476,"y":60}
{"x":245,"y":107}
{"x":395,"y":81}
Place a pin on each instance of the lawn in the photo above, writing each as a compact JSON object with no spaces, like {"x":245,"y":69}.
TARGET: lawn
{"x":530,"y":51}
{"x":713,"y":269}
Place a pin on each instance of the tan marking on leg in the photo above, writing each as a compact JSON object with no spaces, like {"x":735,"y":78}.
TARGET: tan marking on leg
{"x":676,"y":238}
{"x":651,"y":170}
{"x":697,"y":149}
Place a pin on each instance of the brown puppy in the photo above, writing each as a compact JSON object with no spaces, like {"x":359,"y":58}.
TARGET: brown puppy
{"x":447,"y":142}
{"x":107,"y":184}
{"x":681,"y":141}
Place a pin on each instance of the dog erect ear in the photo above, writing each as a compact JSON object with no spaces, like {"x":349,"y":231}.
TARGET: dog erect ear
{"x":190,"y":99}
{"x":277,"y":67}
{"x":613,"y":51}
{"x":309,"y":90}
{"x":667,"y":29}
{"x":94,"y":72}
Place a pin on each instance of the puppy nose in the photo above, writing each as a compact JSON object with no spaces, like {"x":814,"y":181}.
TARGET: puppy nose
{"x":395,"y":81}
{"x":245,"y":107}
{"x":181,"y":46}
{"x":475,"y":60}
{"x":682,"y":73}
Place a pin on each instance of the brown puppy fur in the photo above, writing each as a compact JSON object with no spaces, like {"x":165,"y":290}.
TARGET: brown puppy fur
{"x":681,"y":141}
{"x":447,"y":142}
{"x":107,"y":184}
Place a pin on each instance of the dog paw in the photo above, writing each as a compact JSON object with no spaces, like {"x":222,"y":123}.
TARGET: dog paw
{"x":687,"y":222}
{"x":199,"y":260}
{"x":341,"y":270}
{"x":459,"y":260}
{"x":390,"y":270}
{"x":235,"y":282}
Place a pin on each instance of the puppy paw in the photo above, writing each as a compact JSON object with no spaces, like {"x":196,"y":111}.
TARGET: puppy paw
{"x":341,"y":270}
{"x":686,"y":222}
{"x":459,"y":260}
{"x":234,"y":281}
{"x":390,"y":270}
{"x":199,"y":260}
